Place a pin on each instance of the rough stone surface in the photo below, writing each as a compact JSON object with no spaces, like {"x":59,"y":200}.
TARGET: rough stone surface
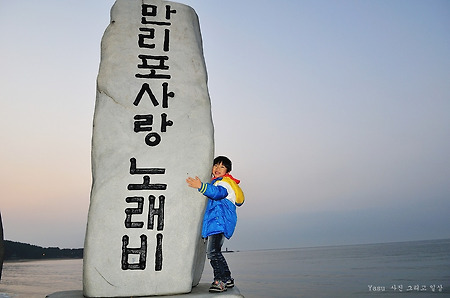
{"x":200,"y":291}
{"x":152,"y":129}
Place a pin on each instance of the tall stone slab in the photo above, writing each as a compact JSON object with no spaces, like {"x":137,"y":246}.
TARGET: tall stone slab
{"x":152,"y":129}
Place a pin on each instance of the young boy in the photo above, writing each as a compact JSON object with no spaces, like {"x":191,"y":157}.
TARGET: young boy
{"x":220,"y":218}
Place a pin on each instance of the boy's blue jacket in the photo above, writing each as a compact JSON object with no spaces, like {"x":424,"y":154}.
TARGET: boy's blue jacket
{"x":220,"y":214}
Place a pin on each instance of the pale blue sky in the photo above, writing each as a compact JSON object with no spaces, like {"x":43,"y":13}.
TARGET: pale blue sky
{"x":335,"y":114}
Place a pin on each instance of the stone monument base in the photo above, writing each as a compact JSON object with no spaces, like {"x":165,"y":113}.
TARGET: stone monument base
{"x":197,"y":292}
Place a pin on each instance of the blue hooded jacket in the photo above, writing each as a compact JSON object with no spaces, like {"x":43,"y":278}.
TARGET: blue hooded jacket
{"x":220,"y":214}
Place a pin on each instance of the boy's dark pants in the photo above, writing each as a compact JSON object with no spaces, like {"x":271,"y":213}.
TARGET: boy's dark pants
{"x":216,"y":258}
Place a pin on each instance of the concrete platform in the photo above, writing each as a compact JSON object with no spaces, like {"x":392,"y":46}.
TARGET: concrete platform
{"x":199,"y":291}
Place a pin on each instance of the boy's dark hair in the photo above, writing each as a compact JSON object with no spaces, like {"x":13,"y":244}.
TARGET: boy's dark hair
{"x":223,"y":160}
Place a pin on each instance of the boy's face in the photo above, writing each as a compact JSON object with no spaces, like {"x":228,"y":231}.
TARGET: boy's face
{"x":219,"y":170}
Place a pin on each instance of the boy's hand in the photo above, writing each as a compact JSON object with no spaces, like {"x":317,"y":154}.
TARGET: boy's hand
{"x":194,"y":182}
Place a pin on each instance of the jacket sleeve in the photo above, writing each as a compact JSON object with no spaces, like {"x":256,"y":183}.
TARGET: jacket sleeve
{"x":213,"y":192}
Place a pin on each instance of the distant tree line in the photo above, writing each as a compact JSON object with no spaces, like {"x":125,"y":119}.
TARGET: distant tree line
{"x":18,"y":250}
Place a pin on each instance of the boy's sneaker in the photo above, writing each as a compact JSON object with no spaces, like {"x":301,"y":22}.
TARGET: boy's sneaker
{"x":230,"y":283}
{"x":218,"y":286}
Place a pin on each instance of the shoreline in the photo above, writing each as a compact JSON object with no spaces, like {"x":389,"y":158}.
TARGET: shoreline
{"x":34,"y":260}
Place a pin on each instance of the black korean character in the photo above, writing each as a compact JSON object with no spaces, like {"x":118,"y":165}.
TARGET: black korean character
{"x":138,"y":171}
{"x":156,"y":212}
{"x":160,"y":65}
{"x":169,"y":11}
{"x":149,"y":34}
{"x":146,"y":89}
{"x":158,"y":252}
{"x":143,"y":123}
{"x":165,"y":122}
{"x":150,"y":11}
{"x":166,"y":46}
{"x":130,"y":211}
{"x":146,"y":184}
{"x":166,"y":95}
{"x":141,"y":251}
{"x":152,"y":139}
{"x":142,"y":38}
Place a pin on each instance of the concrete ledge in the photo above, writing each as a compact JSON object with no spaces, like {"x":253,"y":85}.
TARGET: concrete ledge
{"x":199,"y":291}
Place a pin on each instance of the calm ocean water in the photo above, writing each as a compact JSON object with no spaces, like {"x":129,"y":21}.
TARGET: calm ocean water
{"x":419,"y":269}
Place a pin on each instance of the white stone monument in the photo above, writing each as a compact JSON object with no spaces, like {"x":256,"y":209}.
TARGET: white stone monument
{"x":152,"y":129}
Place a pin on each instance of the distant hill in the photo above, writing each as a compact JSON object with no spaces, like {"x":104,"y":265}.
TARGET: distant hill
{"x":18,"y":251}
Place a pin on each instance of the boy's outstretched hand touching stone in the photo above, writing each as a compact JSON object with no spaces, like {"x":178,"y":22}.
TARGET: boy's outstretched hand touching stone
{"x":194,"y":182}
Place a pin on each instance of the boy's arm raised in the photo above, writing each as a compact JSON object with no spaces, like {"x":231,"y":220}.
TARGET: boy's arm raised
{"x":209,"y":190}
{"x":214,"y":192}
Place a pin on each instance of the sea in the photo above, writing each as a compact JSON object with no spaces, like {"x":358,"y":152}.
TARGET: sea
{"x":401,"y":269}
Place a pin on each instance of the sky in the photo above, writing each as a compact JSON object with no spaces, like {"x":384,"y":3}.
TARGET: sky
{"x":334,"y":113}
